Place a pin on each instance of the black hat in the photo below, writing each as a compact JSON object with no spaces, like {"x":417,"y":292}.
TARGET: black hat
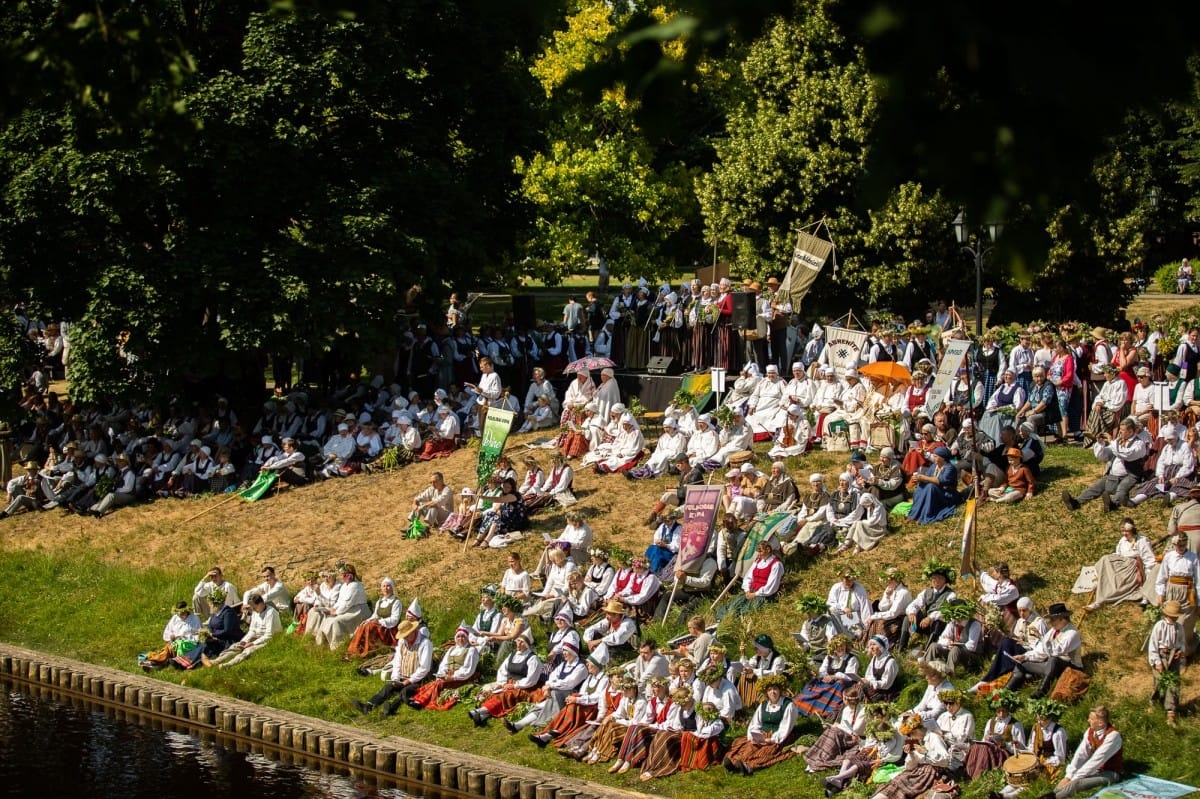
{"x":1058,"y":611}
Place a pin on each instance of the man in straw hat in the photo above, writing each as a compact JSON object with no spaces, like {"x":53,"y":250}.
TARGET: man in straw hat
{"x":25,"y":491}
{"x":411,"y":664}
{"x":1053,"y":653}
{"x":613,"y":633}
{"x":1167,"y":658}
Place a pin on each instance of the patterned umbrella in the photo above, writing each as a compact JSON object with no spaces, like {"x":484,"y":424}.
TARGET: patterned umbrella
{"x":588,"y":364}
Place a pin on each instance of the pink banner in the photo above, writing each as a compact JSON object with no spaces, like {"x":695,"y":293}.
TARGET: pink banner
{"x":699,"y":512}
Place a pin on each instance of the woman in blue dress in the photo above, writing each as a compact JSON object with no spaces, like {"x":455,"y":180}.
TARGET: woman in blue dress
{"x":936,"y":495}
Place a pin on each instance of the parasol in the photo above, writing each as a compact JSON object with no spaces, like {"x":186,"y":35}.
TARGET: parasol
{"x":887,"y":372}
{"x":589,"y":363}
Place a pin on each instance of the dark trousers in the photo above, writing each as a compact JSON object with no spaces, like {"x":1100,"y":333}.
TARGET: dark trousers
{"x":398,"y":690}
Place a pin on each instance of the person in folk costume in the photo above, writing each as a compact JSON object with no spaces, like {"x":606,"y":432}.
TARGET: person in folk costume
{"x":726,"y":349}
{"x":578,"y":394}
{"x":751,"y":670}
{"x":379,"y":630}
{"x":1053,"y":653}
{"x":640,"y":589}
{"x":1048,"y":743}
{"x":658,"y":711}
{"x":817,"y":629}
{"x":812,"y":509}
{"x":1174,"y":470}
{"x":411,"y":665}
{"x":664,"y":546}
{"x":882,"y":744}
{"x":766,"y":741}
{"x":924,"y":613}
{"x":694,"y":748}
{"x":637,"y":341}
{"x":870,"y":528}
{"x":599,"y":744}
{"x":927,"y":764}
{"x":779,"y":492}
{"x":668,"y":326}
{"x":1168,"y":658}
{"x":738,"y":397}
{"x":1178,"y":575}
{"x":516,"y":682}
{"x":578,"y":343}
{"x":487,"y":621}
{"x":704,"y":444}
{"x":966,"y":397}
{"x":1187,"y":355}
{"x":888,"y":612}
{"x":562,"y":682}
{"x":1185,"y":519}
{"x":827,"y":393}
{"x":718,"y":688}
{"x":599,"y":574}
{"x":457,"y":668}
{"x":793,"y":434}
{"x":880,"y":672}
{"x":842,"y":510}
{"x":601,"y":436}
{"x":935,"y":494}
{"x":762,"y":410}
{"x":1099,"y":759}
{"x":335,"y":624}
{"x":849,"y":604}
{"x":555,"y":350}
{"x":621,"y":313}
{"x":1001,"y":737}
{"x":957,"y":726}
{"x":588,"y":703}
{"x":760,"y":584}
{"x":822,"y":697}
{"x":990,"y":361}
{"x":839,"y":737}
{"x":613,"y":633}
{"x":851,"y":408}
{"x":1026,"y":632}
{"x":669,"y":446}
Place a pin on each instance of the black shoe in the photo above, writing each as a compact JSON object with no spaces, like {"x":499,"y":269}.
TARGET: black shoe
{"x":480,"y":721}
{"x":995,"y":795}
{"x":391,"y":709}
{"x":414,"y":704}
{"x":747,"y":771}
{"x":541,"y":740}
{"x":512,"y":728}
{"x":1069,"y":501}
{"x":1109,"y":505}
{"x":363,"y":707}
{"x":730,"y":767}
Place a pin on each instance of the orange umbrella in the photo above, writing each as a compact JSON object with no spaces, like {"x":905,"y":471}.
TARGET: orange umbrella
{"x":889,"y":373}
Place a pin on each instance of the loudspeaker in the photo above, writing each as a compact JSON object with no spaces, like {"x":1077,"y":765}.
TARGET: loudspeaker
{"x":743,"y":310}
{"x":524,"y":312}
{"x":664,"y":365}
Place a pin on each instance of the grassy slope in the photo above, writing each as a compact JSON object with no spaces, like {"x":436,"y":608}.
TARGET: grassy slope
{"x":100,"y":591}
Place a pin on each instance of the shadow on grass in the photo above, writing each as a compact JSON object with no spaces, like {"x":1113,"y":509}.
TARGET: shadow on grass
{"x":1030,"y":582}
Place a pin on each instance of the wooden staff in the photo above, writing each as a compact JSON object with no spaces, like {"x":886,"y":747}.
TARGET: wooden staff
{"x":209,"y":510}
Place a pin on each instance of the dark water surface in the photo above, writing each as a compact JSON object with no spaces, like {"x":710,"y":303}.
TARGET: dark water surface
{"x":57,"y":746}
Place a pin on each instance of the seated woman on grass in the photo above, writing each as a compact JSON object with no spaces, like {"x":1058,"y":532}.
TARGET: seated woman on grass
{"x":378,"y":631}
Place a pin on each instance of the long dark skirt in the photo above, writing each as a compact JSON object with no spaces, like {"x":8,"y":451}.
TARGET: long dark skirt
{"x":830,"y":749}
{"x":636,"y":744}
{"x":983,"y":756}
{"x":909,"y":784}
{"x":697,"y":754}
{"x":568,"y":721}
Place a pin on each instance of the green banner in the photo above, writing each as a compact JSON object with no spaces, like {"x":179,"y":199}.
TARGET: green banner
{"x":495,"y":432}
{"x":260,"y":486}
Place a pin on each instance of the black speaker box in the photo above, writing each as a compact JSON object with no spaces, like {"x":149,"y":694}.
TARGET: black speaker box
{"x":743,"y":310}
{"x":664,"y":365}
{"x":524,"y":312}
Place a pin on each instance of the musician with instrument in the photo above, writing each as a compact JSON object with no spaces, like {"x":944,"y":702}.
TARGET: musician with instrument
{"x":1168,"y":658}
{"x":25,"y":491}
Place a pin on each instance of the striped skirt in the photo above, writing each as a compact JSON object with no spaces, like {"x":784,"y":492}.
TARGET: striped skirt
{"x":568,"y":721}
{"x":664,"y":758}
{"x":747,"y":689}
{"x":636,"y":743}
{"x":607,"y":739}
{"x":697,"y":754}
{"x":822,"y":699}
{"x":757,"y":756}
{"x":983,"y":756}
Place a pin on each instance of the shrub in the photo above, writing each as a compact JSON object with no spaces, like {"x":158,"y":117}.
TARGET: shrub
{"x":1164,"y":278}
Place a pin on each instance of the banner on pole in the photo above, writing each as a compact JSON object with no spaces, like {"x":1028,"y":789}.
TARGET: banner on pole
{"x":807,"y":259}
{"x":261,"y":485}
{"x":767,"y":526}
{"x":496,"y":425}
{"x":700,"y":506}
{"x":966,"y":566}
{"x":843,"y":347}
{"x":956,"y":351}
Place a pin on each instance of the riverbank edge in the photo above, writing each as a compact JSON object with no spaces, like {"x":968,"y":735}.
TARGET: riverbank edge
{"x":440,"y":768}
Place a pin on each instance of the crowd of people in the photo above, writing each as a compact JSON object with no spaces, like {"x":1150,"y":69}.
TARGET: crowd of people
{"x":596,"y":688}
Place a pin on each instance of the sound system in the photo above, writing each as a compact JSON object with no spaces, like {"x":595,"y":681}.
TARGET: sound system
{"x":743,"y":310}
{"x":664,"y":365}
{"x":524,"y":312}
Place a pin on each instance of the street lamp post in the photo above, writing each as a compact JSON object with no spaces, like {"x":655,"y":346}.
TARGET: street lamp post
{"x":974,"y":243}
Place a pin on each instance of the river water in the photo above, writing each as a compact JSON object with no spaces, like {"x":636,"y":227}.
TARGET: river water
{"x":63,"y":746}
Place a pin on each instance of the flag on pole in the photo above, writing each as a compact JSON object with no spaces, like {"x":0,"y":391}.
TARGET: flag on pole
{"x":943,"y":381}
{"x":967,"y":565}
{"x":843,"y":347}
{"x":496,"y":425}
{"x":807,"y":259}
{"x":700,"y":507}
{"x":261,"y":485}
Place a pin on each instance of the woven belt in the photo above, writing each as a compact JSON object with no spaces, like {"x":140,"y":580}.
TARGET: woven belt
{"x":1179,"y":580}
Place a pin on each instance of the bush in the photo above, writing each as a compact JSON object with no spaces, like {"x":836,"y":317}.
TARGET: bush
{"x":1164,"y":278}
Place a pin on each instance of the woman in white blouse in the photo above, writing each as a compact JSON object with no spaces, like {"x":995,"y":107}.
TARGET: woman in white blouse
{"x":1121,"y":574}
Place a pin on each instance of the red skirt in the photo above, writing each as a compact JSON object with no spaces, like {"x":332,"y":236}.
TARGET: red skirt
{"x":427,"y":695}
{"x":758,"y":756}
{"x":697,"y":754}
{"x":369,"y":636}
{"x":501,"y":704}
{"x":436,"y":448}
{"x":568,"y":721}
